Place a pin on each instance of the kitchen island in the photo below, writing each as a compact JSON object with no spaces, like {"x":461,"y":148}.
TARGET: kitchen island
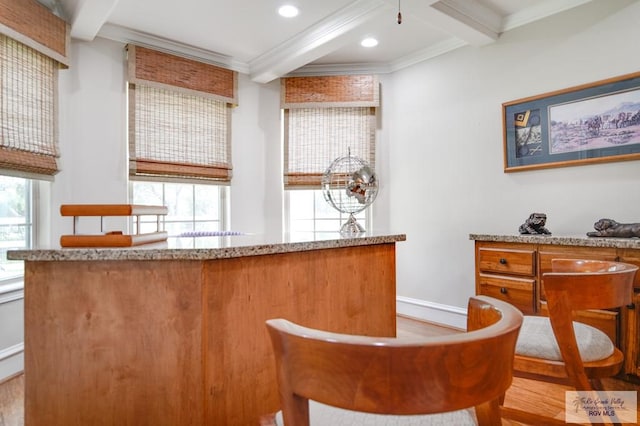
{"x":173,"y":333}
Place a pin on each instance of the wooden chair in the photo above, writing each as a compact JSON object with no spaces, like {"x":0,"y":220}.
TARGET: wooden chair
{"x":548,"y":349}
{"x":355,"y":379}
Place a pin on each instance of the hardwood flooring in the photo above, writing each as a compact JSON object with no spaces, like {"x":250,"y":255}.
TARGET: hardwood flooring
{"x":11,"y":401}
{"x":542,"y":398}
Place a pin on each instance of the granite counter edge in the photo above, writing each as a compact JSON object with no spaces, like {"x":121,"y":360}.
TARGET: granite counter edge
{"x":632,"y":243}
{"x":144,"y":253}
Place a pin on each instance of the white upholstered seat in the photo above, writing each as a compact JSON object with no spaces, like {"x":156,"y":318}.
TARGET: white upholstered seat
{"x":325,"y":415}
{"x":537,"y":340}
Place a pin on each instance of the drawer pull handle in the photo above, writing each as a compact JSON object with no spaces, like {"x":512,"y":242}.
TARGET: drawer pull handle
{"x":631,"y":306}
{"x":503,"y":290}
{"x":503,"y":261}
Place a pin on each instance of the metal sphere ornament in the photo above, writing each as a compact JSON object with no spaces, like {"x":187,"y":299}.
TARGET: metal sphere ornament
{"x":350,"y":185}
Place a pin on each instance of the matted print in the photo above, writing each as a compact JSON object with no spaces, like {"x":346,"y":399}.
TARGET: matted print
{"x":591,"y":123}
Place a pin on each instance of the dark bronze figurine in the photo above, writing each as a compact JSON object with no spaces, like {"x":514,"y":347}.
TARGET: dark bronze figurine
{"x":611,"y":228}
{"x":535,"y":225}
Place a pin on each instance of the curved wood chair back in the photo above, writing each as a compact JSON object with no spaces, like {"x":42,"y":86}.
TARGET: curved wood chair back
{"x":589,"y":284}
{"x":399,"y":376}
{"x":573,"y":285}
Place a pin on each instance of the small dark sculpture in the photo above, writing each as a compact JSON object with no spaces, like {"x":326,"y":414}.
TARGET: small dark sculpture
{"x":535,"y":225}
{"x":611,"y":228}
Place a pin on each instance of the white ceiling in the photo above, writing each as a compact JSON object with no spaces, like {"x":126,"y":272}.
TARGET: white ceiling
{"x":250,"y":37}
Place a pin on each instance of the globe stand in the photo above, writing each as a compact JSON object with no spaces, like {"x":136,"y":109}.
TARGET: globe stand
{"x":351,"y":227}
{"x":349,"y":185}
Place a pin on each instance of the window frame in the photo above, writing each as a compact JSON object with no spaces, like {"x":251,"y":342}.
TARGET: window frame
{"x":223,"y":203}
{"x":367,"y":222}
{"x":32,"y":221}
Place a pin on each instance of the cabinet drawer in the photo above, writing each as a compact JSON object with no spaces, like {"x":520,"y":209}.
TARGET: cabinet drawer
{"x":517,"y":291}
{"x":506,"y":261}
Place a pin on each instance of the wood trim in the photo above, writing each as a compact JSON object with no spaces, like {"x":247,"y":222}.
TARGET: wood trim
{"x":164,"y":70}
{"x":330,"y":91}
{"x":31,"y":23}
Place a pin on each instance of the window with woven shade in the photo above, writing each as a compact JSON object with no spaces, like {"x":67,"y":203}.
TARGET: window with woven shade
{"x":33,"y":46}
{"x":326,"y":118}
{"x":179,"y":118}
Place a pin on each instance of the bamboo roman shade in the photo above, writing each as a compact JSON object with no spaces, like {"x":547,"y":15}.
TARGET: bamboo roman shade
{"x":326,"y":118}
{"x":33,"y":45}
{"x":179,"y":117}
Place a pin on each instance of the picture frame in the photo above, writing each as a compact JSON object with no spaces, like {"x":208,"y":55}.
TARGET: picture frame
{"x":586,"y":124}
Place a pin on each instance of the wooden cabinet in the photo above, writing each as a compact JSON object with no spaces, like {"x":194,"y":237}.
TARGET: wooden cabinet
{"x":507,"y":273}
{"x":182,"y":341}
{"x":512,"y":271}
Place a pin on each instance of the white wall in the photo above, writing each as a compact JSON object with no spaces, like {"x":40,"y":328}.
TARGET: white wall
{"x":93,"y":143}
{"x":444,"y":122}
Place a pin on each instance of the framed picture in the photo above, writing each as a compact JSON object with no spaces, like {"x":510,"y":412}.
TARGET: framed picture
{"x":591,"y":123}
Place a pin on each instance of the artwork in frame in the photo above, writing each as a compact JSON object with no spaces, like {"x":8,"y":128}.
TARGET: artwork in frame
{"x":591,"y":123}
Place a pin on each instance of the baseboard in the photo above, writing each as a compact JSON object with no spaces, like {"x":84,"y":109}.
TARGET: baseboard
{"x":11,"y":292}
{"x":11,"y":357}
{"x":11,"y":361}
{"x":450,"y":316}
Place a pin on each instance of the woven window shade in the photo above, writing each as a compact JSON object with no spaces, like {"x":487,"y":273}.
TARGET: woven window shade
{"x":325,"y":118}
{"x":178,"y":135}
{"x":314,"y":137}
{"x":28,"y":115}
{"x":158,"y":69}
{"x":179,"y":118}
{"x":330,"y":91}
{"x":32,"y":24}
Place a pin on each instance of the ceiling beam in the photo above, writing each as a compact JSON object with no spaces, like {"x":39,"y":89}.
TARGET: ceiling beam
{"x":88,"y":17}
{"x":466,"y":20}
{"x":539,"y":11}
{"x":315,"y":42}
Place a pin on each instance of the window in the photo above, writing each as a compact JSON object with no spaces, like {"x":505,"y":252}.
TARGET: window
{"x":180,"y":139}
{"x":324,"y":118}
{"x":16,"y":224}
{"x":308,"y":212}
{"x":192,"y":207}
{"x":33,"y":45}
{"x":179,"y":118}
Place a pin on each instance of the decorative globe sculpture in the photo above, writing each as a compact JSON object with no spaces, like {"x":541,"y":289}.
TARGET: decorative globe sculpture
{"x":350,"y":185}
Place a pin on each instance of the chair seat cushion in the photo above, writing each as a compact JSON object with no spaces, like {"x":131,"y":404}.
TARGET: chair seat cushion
{"x":326,"y":415}
{"x":537,"y":340}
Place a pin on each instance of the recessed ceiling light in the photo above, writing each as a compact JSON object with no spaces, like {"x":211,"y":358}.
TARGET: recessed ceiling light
{"x":288,"y":11}
{"x":369,"y":42}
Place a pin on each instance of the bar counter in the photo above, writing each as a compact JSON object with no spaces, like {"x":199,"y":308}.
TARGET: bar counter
{"x":205,"y":247}
{"x":174,"y":334}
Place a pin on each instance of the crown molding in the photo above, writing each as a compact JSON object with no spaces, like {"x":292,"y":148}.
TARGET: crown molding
{"x":341,"y":69}
{"x":126,"y":35}
{"x":314,"y":42}
{"x":430,"y":52}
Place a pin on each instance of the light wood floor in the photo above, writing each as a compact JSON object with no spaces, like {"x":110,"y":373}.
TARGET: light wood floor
{"x":542,"y":398}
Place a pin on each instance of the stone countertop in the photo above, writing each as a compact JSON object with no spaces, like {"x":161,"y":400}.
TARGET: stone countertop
{"x":575,"y":240}
{"x":203,"y":248}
